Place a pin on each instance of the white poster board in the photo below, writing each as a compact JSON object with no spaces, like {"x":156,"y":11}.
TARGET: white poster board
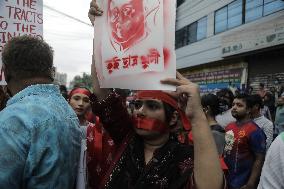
{"x":134,"y":44}
{"x":19,"y":17}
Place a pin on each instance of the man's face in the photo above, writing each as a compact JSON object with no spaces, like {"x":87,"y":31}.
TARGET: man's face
{"x":126,"y":19}
{"x":225,"y":102}
{"x":226,"y":98}
{"x":239,"y":109}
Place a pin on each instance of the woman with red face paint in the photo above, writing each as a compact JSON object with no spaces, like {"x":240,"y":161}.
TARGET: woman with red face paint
{"x":147,"y":154}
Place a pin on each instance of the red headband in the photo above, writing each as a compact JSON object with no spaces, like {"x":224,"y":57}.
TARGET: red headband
{"x":80,"y":91}
{"x":159,"y":95}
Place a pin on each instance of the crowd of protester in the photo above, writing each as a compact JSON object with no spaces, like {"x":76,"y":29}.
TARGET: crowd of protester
{"x":54,"y":138}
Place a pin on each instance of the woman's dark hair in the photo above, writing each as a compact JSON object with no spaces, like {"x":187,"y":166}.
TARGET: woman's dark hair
{"x":169,"y":110}
{"x":211,"y":101}
{"x":3,"y":98}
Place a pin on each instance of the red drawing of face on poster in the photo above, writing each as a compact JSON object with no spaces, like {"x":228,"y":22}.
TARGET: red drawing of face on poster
{"x":127,"y":21}
{"x":135,"y":47}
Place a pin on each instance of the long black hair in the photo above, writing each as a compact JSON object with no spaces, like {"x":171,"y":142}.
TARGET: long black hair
{"x":169,"y":110}
{"x":211,"y":101}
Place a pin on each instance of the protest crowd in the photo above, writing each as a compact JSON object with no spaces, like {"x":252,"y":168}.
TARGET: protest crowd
{"x":112,"y":138}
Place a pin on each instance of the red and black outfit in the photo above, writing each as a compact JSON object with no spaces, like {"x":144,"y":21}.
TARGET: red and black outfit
{"x":116,"y":154}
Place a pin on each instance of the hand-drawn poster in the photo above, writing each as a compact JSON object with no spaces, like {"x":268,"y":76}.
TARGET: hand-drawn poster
{"x":134,"y":44}
{"x":19,"y":17}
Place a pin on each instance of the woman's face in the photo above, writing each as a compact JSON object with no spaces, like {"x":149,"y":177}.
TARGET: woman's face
{"x":80,"y":103}
{"x":150,"y":108}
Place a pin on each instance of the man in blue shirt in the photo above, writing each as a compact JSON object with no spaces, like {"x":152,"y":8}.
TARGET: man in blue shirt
{"x":39,"y":133}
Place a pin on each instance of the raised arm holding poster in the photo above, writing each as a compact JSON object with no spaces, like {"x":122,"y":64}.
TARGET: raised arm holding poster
{"x":134,"y":44}
{"x":19,"y":17}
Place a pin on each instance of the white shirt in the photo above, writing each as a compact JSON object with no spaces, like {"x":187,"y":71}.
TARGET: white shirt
{"x":82,"y":182}
{"x":272,"y":175}
{"x":267,"y":126}
{"x":225,"y":118}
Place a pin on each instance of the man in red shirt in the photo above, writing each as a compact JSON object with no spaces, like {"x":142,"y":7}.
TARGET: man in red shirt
{"x":245,"y":146}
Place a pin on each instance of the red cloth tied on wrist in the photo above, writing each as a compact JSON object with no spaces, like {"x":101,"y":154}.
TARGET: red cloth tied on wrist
{"x":150,"y":124}
{"x":80,"y":91}
{"x":159,"y":95}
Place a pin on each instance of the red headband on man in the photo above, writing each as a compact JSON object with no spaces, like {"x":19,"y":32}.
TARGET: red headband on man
{"x":80,"y":91}
{"x":159,"y":95}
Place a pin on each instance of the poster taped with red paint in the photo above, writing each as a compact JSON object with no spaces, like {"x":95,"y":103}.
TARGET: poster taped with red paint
{"x":19,"y":17}
{"x":134,"y":44}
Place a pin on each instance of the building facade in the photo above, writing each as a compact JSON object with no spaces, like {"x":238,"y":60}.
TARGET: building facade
{"x":60,"y":78}
{"x":221,"y":43}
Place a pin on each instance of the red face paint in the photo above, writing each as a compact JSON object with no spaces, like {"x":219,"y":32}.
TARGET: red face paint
{"x":167,"y":99}
{"x":150,"y":124}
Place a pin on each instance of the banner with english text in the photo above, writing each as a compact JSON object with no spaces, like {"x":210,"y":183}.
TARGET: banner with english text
{"x":134,"y":44}
{"x":19,"y":17}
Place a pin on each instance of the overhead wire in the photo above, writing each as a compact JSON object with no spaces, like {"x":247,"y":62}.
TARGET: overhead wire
{"x":66,"y":15}
{"x":71,"y":35}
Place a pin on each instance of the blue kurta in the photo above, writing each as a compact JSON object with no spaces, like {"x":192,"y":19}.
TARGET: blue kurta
{"x":39,"y":140}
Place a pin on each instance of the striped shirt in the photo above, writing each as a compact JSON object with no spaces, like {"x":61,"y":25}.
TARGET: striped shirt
{"x":273,"y":169}
{"x":267,"y":126}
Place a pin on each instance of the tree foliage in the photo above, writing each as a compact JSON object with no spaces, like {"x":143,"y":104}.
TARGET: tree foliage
{"x":82,"y":81}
